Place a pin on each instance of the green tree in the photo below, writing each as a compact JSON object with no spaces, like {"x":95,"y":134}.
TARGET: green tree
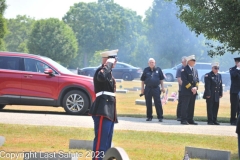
{"x":170,"y":39}
{"x":19,"y":29}
{"x":216,"y":19}
{"x":104,"y":25}
{"x":2,"y":24}
{"x":54,"y":39}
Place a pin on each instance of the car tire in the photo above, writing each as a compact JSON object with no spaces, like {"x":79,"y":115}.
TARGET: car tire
{"x":169,"y":77}
{"x":2,"y":106}
{"x":75,"y":102}
{"x":126,"y":77}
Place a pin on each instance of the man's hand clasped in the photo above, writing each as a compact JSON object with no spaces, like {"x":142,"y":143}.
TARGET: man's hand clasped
{"x":163,"y":90}
{"x":194,"y":90}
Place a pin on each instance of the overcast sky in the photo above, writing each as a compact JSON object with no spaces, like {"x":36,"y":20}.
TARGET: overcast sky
{"x":39,"y":9}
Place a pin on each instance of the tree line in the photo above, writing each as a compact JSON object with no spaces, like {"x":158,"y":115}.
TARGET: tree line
{"x":169,"y":30}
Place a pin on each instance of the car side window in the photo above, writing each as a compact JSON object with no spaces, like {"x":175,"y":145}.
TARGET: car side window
{"x":11,"y":63}
{"x":33,"y":65}
{"x":119,"y":66}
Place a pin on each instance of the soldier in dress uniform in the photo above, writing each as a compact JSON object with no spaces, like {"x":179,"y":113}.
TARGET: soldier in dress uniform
{"x":234,"y":90}
{"x":213,"y":92}
{"x":190,"y":81}
{"x":103,"y":110}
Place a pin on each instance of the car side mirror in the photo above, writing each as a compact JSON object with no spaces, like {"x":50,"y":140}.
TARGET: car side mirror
{"x":48,"y":71}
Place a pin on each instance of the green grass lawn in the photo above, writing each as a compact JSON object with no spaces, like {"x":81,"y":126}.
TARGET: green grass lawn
{"x":139,"y":145}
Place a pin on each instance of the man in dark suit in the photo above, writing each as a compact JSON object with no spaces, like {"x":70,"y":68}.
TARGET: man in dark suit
{"x":190,"y":81}
{"x":234,"y":90}
{"x":213,"y":93}
{"x":103,"y":110}
{"x":178,"y":76}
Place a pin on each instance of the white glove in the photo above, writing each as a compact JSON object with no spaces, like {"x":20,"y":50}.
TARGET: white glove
{"x":238,"y":68}
{"x":111,"y":60}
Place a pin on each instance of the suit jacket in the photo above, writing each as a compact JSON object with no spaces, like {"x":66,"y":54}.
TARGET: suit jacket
{"x":104,"y":105}
{"x":235,"y":80}
{"x":213,"y":86}
{"x":189,"y":80}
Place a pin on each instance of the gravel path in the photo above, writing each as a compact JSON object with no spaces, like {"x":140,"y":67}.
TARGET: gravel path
{"x":125,"y":123}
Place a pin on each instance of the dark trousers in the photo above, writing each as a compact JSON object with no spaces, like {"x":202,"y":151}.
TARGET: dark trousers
{"x":188,"y":106}
{"x":234,"y":107}
{"x":155,"y":93}
{"x":103,"y":129}
{"x":179,"y":106}
{"x":212,"y":110}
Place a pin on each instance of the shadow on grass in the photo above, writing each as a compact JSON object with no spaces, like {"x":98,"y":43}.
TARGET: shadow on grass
{"x":171,"y":117}
{"x":37,"y":112}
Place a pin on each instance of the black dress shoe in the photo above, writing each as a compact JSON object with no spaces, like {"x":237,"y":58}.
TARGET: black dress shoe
{"x":160,"y":119}
{"x":178,"y":119}
{"x":210,"y":123}
{"x":193,"y":123}
{"x":216,"y":123}
{"x":149,"y":119}
{"x":184,"y":122}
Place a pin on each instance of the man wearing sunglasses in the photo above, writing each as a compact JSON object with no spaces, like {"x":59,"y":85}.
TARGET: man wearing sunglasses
{"x":234,"y":90}
{"x":213,"y":92}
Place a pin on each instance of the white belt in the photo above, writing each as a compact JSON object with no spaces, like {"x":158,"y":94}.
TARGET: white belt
{"x":106,"y":93}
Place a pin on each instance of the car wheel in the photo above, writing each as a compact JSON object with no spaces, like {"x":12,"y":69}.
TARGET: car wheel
{"x":75,"y":102}
{"x":127,"y":77}
{"x":2,"y":106}
{"x":169,"y":77}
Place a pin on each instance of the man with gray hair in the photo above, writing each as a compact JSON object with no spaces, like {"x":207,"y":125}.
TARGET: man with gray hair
{"x":178,"y":76}
{"x":152,"y":76}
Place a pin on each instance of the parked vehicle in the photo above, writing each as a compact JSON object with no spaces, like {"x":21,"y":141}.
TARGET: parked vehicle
{"x":27,"y":79}
{"x":122,"y":70}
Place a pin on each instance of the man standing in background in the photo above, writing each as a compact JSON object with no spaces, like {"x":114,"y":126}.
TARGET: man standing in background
{"x":189,"y":76}
{"x":178,"y":76}
{"x":152,"y":76}
{"x":234,"y":90}
{"x":212,"y":93}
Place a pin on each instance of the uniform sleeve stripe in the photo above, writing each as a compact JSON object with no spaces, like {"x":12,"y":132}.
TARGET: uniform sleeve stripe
{"x":188,"y":85}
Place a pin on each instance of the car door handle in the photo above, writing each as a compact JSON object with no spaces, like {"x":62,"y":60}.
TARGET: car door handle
{"x":28,"y":76}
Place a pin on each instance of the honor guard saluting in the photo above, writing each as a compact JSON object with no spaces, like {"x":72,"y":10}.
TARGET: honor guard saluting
{"x":103,"y":110}
{"x":152,"y":76}
{"x":189,"y":76}
{"x":234,"y":90}
{"x":213,"y":92}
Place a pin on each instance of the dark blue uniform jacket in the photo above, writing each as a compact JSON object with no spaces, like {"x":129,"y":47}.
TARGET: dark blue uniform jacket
{"x":213,"y":86}
{"x":104,"y":105}
{"x":189,"y":80}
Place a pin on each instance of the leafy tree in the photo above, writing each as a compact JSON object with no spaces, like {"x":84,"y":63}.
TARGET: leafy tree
{"x":2,"y":23}
{"x":216,"y":19}
{"x":170,"y":39}
{"x":54,"y":39}
{"x":19,"y":29}
{"x":104,"y":25}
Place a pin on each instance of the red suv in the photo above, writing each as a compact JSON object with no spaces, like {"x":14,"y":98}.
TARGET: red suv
{"x":27,"y":79}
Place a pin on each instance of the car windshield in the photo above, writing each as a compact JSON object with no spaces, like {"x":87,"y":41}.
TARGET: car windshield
{"x":58,"y":66}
